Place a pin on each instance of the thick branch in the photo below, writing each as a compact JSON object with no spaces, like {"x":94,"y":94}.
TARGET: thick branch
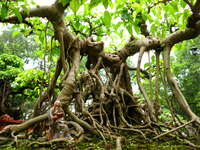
{"x":182,"y":35}
{"x":43,"y":12}
{"x":134,"y":46}
{"x":69,"y":83}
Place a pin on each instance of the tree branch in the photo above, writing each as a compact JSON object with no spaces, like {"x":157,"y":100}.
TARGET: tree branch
{"x":182,"y":35}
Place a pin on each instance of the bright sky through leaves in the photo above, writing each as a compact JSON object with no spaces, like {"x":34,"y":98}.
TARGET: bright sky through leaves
{"x":44,"y":2}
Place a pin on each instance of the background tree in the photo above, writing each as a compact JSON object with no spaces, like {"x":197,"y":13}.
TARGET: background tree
{"x":15,"y":43}
{"x":186,"y":68}
{"x":19,"y":88}
{"x":10,"y":66}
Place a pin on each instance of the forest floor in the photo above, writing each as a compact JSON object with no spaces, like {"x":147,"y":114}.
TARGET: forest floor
{"x":92,"y":143}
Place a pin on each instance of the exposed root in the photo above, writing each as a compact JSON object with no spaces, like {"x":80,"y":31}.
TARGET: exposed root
{"x":21,"y":127}
{"x":174,"y":129}
{"x":118,"y":144}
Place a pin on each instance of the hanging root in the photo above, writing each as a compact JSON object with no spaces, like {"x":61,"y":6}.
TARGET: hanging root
{"x":149,"y":103}
{"x":118,"y":143}
{"x":173,"y":130}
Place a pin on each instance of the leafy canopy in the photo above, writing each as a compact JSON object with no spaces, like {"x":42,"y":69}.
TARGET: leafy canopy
{"x":10,"y":66}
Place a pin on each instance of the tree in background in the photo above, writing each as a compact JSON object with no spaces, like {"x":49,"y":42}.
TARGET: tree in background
{"x":186,"y":68}
{"x":15,"y":43}
{"x":10,"y":67}
{"x":23,"y":87}
{"x":19,"y":88}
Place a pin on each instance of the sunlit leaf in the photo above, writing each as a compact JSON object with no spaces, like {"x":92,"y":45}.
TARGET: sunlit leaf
{"x":25,"y":9}
{"x":17,"y":13}
{"x":4,"y":11}
{"x":130,"y":29}
{"x":94,"y":3}
{"x":75,"y":5}
{"x":105,"y":3}
{"x":41,"y":37}
{"x":137,"y":29}
{"x":15,"y":33}
{"x":107,"y":18}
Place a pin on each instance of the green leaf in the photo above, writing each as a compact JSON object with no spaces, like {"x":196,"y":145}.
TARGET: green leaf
{"x":175,"y":6}
{"x":105,"y":3}
{"x":146,"y":65}
{"x":4,"y":11}
{"x":10,"y":66}
{"x":41,"y":37}
{"x":15,"y":33}
{"x":86,"y":9}
{"x":64,"y":2}
{"x":121,"y":33}
{"x":94,"y":3}
{"x":137,"y":7}
{"x":17,"y":13}
{"x":137,"y":29}
{"x":107,"y":18}
{"x":26,"y":9}
{"x":75,"y":5}
{"x":183,"y":4}
{"x":153,"y":59}
{"x":129,"y":28}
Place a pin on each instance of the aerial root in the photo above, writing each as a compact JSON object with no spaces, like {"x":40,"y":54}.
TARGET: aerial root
{"x":174,"y":129}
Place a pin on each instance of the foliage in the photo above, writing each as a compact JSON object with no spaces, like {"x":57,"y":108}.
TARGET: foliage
{"x":118,"y":15}
{"x":22,"y":87}
{"x":29,"y":77}
{"x":128,"y":14}
{"x":13,"y":7}
{"x":32,"y":81}
{"x":10,"y":66}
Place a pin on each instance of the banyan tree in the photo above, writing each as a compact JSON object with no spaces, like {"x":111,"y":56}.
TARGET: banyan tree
{"x":100,"y":98}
